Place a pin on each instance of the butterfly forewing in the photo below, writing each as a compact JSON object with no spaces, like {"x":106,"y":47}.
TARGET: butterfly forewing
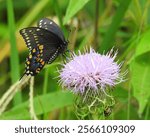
{"x":52,"y":27}
{"x":34,"y":36}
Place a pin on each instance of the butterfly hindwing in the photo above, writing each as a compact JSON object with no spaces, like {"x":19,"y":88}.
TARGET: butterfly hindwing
{"x":40,"y":56}
{"x":34,"y":64}
{"x":50,"y":53}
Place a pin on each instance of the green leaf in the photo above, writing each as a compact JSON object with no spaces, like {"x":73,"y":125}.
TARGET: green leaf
{"x":42,"y":104}
{"x":120,"y":94}
{"x":144,"y":44}
{"x":140,"y":70}
{"x":73,"y":7}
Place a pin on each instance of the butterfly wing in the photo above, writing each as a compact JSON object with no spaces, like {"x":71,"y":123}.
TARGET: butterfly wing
{"x":51,"y":26}
{"x":50,"y":52}
{"x":39,"y":57}
{"x":43,"y":46}
{"x":34,"y":36}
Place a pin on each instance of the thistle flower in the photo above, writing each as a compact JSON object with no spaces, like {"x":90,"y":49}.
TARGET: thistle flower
{"x":91,"y":76}
{"x":91,"y":72}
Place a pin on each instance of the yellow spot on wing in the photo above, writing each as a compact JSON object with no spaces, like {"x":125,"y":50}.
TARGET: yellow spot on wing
{"x":42,"y":62}
{"x":30,"y":56}
{"x":28,"y":62}
{"x":38,"y":55}
{"x":41,"y":47}
{"x":34,"y":50}
{"x":37,"y":70}
{"x":37,"y":59}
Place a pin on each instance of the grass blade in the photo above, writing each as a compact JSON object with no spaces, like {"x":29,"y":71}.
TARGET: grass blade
{"x":73,"y":7}
{"x":14,"y":57}
{"x":110,"y":34}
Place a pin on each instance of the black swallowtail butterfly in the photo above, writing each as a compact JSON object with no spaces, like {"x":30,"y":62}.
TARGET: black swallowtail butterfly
{"x":45,"y":43}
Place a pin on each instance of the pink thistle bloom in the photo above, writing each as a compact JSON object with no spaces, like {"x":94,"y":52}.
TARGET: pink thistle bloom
{"x":91,"y":71}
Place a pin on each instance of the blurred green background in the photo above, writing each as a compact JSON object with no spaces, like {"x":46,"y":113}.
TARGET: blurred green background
{"x":102,"y":24}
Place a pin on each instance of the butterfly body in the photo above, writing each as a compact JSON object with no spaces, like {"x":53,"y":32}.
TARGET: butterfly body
{"x":45,"y":43}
